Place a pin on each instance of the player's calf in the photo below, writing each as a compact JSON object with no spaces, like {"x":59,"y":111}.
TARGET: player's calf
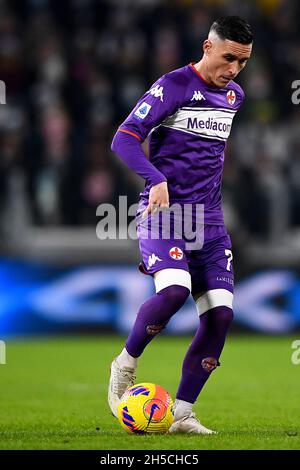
{"x":153,"y":316}
{"x":202,"y":357}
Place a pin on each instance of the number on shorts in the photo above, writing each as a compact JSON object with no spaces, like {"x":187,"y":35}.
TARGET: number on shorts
{"x":229,"y":254}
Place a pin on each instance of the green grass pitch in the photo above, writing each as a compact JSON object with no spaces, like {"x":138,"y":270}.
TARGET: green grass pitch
{"x":53,"y":395}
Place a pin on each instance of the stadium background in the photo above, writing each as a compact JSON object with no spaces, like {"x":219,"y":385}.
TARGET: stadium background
{"x":73,"y":70}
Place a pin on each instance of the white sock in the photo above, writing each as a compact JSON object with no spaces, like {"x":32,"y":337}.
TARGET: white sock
{"x":182,"y":408}
{"x":125,"y":360}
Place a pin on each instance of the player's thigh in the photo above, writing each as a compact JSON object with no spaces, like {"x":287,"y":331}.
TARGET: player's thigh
{"x":159,"y":252}
{"x":163,"y":255}
{"x":212,"y":274}
{"x":166,"y":262}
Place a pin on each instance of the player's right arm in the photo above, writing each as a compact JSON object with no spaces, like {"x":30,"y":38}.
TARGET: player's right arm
{"x":153,"y":107}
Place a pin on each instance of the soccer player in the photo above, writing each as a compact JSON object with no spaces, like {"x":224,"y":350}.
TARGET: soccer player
{"x":188,"y":113}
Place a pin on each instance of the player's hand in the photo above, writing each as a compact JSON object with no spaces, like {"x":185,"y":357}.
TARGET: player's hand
{"x":158,"y":199}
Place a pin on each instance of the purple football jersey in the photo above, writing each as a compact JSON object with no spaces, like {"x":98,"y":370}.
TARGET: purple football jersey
{"x":189,"y":122}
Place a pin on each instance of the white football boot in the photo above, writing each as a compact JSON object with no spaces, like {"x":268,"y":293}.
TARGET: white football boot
{"x":189,"y":425}
{"x":120,"y":380}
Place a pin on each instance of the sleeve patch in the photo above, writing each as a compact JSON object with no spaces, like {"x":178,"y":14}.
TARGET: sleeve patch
{"x":142,"y":111}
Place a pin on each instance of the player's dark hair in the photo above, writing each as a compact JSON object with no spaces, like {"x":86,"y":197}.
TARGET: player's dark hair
{"x":233,"y":28}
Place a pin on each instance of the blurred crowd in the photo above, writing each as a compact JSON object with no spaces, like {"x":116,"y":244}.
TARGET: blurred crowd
{"x":73,"y":70}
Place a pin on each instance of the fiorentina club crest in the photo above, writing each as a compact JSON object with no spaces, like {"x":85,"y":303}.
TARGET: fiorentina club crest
{"x":176,"y":253}
{"x":231,"y":97}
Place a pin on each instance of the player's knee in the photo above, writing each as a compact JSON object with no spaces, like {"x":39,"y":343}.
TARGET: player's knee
{"x":173,"y":298}
{"x":175,"y":295}
{"x":222,"y":316}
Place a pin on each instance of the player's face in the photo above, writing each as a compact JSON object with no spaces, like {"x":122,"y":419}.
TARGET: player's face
{"x":225,"y":59}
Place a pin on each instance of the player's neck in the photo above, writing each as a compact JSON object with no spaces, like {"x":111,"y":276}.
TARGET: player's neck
{"x":202,"y":70}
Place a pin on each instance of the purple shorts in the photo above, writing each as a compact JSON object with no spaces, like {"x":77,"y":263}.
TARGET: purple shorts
{"x":210,"y":267}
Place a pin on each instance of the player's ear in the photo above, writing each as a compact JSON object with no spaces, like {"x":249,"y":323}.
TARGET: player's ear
{"x":207,"y":45}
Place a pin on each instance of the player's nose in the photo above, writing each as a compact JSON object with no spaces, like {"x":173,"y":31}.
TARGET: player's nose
{"x":233,"y":69}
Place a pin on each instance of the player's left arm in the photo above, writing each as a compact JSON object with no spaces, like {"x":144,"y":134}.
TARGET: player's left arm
{"x":160,"y":101}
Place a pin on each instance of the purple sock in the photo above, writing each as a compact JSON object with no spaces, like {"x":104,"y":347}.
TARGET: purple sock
{"x":153,"y":315}
{"x":204,"y":352}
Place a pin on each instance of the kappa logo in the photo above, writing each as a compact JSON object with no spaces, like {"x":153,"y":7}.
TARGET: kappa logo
{"x":231,"y":97}
{"x":197,"y":96}
{"x":176,"y":253}
{"x":142,"y":111}
{"x":157,"y":91}
{"x":152,"y":260}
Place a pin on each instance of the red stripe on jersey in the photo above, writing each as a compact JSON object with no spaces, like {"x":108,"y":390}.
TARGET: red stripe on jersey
{"x":198,"y":73}
{"x":131,"y":133}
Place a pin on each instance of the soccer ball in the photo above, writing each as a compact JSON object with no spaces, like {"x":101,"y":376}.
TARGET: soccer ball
{"x":146,"y":408}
